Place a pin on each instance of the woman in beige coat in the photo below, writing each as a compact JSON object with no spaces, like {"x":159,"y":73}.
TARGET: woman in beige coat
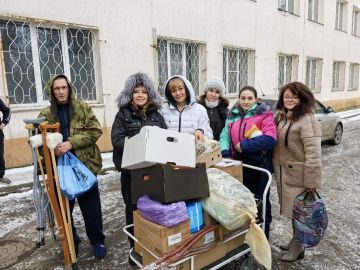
{"x":297,"y":154}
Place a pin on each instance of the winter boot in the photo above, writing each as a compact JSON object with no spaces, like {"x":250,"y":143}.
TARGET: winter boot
{"x":5,"y":180}
{"x":286,"y":247}
{"x":296,"y":252}
{"x":99,"y":250}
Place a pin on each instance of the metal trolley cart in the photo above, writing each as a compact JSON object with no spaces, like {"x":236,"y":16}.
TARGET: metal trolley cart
{"x":241,"y":251}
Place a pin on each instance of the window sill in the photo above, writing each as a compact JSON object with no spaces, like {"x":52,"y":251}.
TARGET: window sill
{"x":320,"y":23}
{"x":353,"y":89}
{"x":354,"y":35}
{"x":340,"y":30}
{"x":39,"y":107}
{"x":283,"y":10}
{"x":337,"y":89}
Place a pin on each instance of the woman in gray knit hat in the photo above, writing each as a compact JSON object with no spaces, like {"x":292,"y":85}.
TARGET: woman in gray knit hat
{"x":215,"y":104}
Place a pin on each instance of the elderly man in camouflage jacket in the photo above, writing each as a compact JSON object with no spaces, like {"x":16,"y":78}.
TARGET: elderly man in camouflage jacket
{"x":80,"y":130}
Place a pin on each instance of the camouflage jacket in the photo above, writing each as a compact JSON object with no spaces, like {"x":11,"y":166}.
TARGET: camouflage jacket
{"x":85,"y":129}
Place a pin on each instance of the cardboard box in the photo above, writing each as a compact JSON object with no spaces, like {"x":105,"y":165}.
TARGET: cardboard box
{"x":155,"y":145}
{"x":168,"y":183}
{"x":200,"y":261}
{"x":157,"y":238}
{"x":232,"y":167}
{"x":210,"y":158}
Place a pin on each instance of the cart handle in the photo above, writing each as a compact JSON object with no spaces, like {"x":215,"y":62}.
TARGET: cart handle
{"x":266,"y":190}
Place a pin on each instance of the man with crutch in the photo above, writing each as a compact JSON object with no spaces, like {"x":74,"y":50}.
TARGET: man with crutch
{"x":80,"y":129}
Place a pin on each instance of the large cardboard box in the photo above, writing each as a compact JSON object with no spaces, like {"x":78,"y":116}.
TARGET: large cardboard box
{"x":168,"y":183}
{"x":210,"y":158}
{"x":200,"y":261}
{"x":232,"y":167}
{"x":157,"y":238}
{"x":155,"y":145}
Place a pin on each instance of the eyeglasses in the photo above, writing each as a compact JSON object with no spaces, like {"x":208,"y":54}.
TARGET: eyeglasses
{"x":291,"y":98}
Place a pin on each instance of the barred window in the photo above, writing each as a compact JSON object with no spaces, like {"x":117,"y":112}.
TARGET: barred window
{"x":184,"y":58}
{"x":353,"y":76}
{"x":341,"y":15}
{"x":355,"y":26}
{"x":35,"y":52}
{"x":338,"y":75}
{"x":238,"y":68}
{"x":288,"y":69}
{"x":313,"y":73}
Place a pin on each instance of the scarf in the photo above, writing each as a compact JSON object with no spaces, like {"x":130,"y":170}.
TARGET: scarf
{"x":211,"y":104}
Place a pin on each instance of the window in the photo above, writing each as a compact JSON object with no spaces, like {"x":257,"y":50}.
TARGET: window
{"x":35,"y":52}
{"x":353,"y":76}
{"x":184,"y":58}
{"x":313,"y":10}
{"x":292,"y":6}
{"x":341,"y":15}
{"x":288,"y":69}
{"x":313,"y":73}
{"x":355,"y":26}
{"x":338,"y":76}
{"x":238,"y":68}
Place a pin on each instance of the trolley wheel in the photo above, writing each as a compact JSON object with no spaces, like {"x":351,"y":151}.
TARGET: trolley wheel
{"x":248,"y":262}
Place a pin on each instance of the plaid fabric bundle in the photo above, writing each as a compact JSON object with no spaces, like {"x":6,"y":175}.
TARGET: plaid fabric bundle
{"x":310,"y":219}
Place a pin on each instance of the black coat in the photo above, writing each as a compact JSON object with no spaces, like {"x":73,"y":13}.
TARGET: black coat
{"x":128,"y":123}
{"x":217,"y":115}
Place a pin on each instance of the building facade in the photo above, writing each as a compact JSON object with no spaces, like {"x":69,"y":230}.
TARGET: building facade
{"x":98,"y":44}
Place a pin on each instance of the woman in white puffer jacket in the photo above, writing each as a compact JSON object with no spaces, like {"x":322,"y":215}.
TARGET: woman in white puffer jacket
{"x":183,"y":113}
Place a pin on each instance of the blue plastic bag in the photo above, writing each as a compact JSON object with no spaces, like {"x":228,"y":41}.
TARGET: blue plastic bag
{"x":74,"y":177}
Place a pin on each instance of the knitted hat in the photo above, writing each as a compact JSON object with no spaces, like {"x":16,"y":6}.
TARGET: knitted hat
{"x":215,"y":82}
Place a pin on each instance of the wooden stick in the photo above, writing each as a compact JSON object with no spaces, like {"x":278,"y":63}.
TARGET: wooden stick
{"x":64,"y":212}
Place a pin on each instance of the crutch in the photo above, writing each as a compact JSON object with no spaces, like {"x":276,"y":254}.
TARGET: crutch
{"x":40,"y":198}
{"x":52,"y":140}
{"x":53,"y":196}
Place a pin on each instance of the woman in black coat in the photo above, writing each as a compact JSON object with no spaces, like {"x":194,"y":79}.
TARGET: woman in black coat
{"x":216,"y":105}
{"x":139,"y":105}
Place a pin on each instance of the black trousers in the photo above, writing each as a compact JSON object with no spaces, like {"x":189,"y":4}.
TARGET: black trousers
{"x":256,"y":182}
{"x":129,"y":206}
{"x":2,"y":160}
{"x":90,"y":207}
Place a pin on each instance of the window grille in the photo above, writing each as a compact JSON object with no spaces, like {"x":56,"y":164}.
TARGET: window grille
{"x":238,"y":68}
{"x":34,"y":52}
{"x":288,"y":69}
{"x":184,"y":58}
{"x":353,"y":77}
{"x":313,"y":73}
{"x":338,"y":76}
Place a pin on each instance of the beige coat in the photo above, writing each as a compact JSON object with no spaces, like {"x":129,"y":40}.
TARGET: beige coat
{"x":297,"y":166}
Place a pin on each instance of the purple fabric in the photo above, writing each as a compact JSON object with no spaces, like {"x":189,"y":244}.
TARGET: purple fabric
{"x":167,"y":215}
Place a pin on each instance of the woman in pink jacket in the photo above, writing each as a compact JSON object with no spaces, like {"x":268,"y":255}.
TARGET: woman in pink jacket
{"x":249,"y":135}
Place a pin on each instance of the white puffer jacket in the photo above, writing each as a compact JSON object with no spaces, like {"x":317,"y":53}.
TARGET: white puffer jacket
{"x":191,"y":118}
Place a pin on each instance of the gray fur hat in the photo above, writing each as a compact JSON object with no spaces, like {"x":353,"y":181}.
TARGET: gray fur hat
{"x":217,"y":83}
{"x":138,"y":79}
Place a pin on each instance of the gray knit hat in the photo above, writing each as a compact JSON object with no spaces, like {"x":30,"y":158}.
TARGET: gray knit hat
{"x":217,"y":83}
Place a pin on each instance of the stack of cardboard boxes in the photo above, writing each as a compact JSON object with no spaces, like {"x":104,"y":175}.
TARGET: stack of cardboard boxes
{"x":163,"y":166}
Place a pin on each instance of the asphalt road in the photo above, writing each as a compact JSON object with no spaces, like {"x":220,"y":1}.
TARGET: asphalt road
{"x":339,"y":250}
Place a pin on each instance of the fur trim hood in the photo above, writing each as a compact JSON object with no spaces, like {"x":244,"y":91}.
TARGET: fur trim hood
{"x":138,"y":79}
{"x":189,"y":91}
{"x":261,"y":108}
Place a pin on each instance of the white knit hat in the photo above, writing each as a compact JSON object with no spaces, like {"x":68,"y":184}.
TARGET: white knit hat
{"x":215,"y":82}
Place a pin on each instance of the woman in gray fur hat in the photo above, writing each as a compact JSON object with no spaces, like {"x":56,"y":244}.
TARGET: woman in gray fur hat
{"x":215,"y":104}
{"x":139,"y":104}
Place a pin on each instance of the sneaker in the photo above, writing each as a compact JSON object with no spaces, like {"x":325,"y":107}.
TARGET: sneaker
{"x":99,"y":250}
{"x":5,"y":180}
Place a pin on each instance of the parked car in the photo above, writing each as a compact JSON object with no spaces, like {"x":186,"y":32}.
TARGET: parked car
{"x":331,"y":123}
